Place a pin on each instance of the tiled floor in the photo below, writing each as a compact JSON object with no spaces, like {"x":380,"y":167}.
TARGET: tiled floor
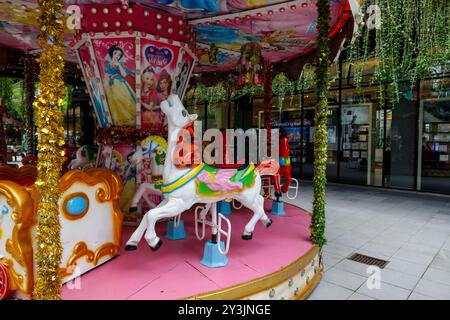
{"x":410,"y":230}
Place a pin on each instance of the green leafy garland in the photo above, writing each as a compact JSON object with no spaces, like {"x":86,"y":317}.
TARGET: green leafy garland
{"x":413,"y":38}
{"x":6,"y":90}
{"x":12,"y":94}
{"x":211,"y":96}
{"x":29,"y":95}
{"x":250,"y":91}
{"x":280,"y":86}
{"x":306,"y":79}
{"x":321,"y":122}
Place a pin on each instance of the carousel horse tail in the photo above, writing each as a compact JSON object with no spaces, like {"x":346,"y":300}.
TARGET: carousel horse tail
{"x":268,"y":167}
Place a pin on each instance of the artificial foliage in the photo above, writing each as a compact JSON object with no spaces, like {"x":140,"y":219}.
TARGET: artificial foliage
{"x":307,"y":78}
{"x":321,"y":123}
{"x":409,"y":39}
{"x":211,"y":96}
{"x":281,"y":85}
{"x":6,"y":93}
{"x":50,"y":147}
{"x":6,"y":90}
{"x":29,"y":88}
{"x":249,"y":91}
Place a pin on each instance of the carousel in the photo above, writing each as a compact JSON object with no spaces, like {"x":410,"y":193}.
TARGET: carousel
{"x":145,"y":218}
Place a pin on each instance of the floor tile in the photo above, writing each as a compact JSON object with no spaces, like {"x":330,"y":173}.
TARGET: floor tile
{"x":382,"y":249}
{"x":358,"y":296}
{"x":410,"y":268}
{"x":441,"y":260}
{"x":438,"y":275}
{"x":433,"y":289}
{"x":354,"y":267}
{"x":329,"y":291}
{"x":418,"y":296}
{"x":413,"y":256}
{"x":330,"y":260}
{"x":338,"y":249}
{"x":344,"y":278}
{"x":399,"y":279}
{"x":385,"y":292}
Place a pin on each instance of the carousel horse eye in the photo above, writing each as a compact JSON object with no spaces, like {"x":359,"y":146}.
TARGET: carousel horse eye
{"x":170,"y":103}
{"x":184,"y":113}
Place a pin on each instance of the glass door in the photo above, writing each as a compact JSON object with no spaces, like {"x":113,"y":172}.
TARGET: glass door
{"x":434,"y":146}
{"x":356,"y":142}
{"x":307,"y":144}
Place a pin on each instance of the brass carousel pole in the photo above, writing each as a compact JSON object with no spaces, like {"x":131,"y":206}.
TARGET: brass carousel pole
{"x":50,"y":142}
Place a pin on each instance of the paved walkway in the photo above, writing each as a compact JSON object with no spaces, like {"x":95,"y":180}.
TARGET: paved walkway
{"x":410,"y":230}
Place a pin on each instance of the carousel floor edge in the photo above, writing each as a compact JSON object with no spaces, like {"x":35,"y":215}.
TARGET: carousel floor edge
{"x":284,"y":281}
{"x":280,"y":263}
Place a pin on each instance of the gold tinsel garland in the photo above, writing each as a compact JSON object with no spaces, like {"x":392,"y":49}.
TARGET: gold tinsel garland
{"x":51,"y":155}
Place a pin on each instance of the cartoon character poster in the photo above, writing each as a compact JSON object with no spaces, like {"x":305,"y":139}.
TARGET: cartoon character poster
{"x":92,"y":85}
{"x":159,"y":62}
{"x":104,"y":157}
{"x":148,"y":176}
{"x":184,"y":69}
{"x":116,"y":61}
{"x":121,"y":164}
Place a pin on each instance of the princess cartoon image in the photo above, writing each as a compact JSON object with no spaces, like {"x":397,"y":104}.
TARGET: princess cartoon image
{"x":151,"y":113}
{"x":90,"y":75}
{"x":164,"y":86}
{"x":121,"y":97}
{"x":129,"y":180}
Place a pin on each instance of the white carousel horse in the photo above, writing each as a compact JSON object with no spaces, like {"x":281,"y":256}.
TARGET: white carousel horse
{"x":181,"y":186}
{"x":153,"y":147}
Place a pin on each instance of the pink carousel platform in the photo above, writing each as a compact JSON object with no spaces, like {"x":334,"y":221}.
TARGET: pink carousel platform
{"x":279,"y":263}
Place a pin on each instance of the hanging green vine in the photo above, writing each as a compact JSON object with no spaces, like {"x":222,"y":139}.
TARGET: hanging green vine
{"x":281,"y":85}
{"x":6,"y":90}
{"x":210,"y":95}
{"x":413,"y":38}
{"x":306,"y":79}
{"x":250,"y":91}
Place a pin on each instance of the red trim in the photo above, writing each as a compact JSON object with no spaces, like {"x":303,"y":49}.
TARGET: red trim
{"x":106,"y":18}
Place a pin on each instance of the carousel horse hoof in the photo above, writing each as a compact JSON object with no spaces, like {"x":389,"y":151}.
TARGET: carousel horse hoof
{"x":157,"y":246}
{"x":247,"y":236}
{"x":132,"y":209}
{"x":130,"y":247}
{"x":268,"y":223}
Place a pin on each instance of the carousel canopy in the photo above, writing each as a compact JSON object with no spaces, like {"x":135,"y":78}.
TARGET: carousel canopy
{"x":283,"y":29}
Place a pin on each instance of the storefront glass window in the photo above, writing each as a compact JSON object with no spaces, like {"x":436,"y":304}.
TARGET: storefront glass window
{"x":401,"y":147}
{"x":434,"y":142}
